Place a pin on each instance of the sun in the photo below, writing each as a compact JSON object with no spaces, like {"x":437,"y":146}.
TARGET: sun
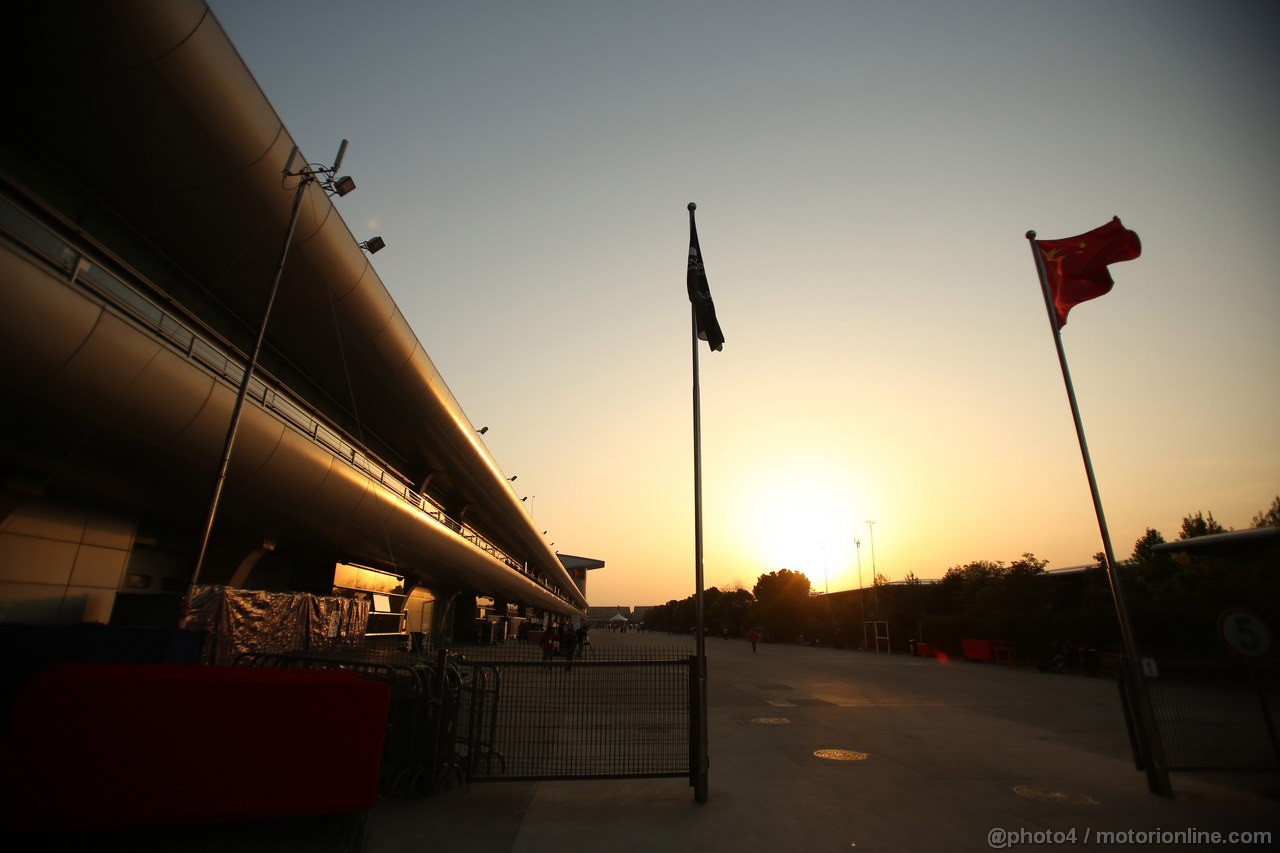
{"x":804,"y":517}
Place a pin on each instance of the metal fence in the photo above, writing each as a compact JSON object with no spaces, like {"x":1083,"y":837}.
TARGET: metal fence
{"x":585,"y":719}
{"x":1215,"y":715}
{"x":418,"y":750}
{"x":489,"y":713}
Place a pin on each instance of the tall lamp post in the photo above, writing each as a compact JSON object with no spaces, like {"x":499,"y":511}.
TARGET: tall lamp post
{"x":875,"y":598}
{"x":310,"y":173}
{"x":857,"y":544}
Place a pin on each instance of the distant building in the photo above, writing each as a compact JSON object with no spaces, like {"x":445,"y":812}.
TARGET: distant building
{"x":577,"y":567}
{"x":603,"y":615}
{"x":638,"y":613}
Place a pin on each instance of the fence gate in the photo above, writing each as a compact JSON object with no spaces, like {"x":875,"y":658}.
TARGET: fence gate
{"x":589,"y":719}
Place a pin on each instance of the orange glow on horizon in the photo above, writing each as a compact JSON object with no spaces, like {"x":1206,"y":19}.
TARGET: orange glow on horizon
{"x":800,"y":515}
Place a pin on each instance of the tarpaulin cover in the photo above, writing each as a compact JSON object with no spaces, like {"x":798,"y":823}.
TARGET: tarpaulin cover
{"x":96,"y":745}
{"x":239,"y":621}
{"x":336,"y":623}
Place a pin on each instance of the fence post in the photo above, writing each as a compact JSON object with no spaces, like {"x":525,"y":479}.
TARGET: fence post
{"x":696,"y":758}
{"x":1126,"y":705}
{"x":438,"y":730}
{"x":1259,"y":684}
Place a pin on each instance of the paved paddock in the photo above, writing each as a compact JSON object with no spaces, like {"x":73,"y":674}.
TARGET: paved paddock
{"x":946,"y":746}
{"x":925,"y":756}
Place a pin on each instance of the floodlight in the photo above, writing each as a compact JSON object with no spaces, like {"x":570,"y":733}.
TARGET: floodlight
{"x":344,"y":185}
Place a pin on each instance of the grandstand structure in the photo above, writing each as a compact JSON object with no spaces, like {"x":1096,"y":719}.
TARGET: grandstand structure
{"x":147,"y":186}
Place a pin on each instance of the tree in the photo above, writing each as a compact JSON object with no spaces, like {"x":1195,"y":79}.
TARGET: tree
{"x":989,"y":599}
{"x":1142,"y":552}
{"x":1028,"y":565}
{"x":1270,"y":518}
{"x":728,"y":609}
{"x":1199,"y":525}
{"x":783,"y":583}
{"x":674,"y":616}
{"x":783,"y":597}
{"x":962,"y":580}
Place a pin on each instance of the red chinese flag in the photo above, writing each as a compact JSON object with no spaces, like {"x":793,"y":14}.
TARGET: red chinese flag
{"x":1076,"y":268}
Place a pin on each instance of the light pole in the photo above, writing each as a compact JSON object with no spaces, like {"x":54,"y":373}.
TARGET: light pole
{"x":825,"y":589}
{"x":307,"y":175}
{"x":875,"y":597}
{"x":857,"y":544}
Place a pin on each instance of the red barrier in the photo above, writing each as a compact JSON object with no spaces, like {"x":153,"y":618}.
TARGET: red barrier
{"x":92,"y":746}
{"x":981,"y":649}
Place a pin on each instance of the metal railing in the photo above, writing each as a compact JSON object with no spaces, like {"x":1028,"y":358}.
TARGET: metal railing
{"x":625,"y":713}
{"x":217,"y":359}
{"x":581,"y":719}
{"x":620,"y":712}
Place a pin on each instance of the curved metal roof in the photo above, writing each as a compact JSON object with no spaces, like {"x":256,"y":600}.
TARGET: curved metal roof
{"x":1228,"y":542}
{"x":148,"y":104}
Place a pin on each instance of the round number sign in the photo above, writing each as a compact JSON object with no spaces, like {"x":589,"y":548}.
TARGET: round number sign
{"x":1244,"y":633}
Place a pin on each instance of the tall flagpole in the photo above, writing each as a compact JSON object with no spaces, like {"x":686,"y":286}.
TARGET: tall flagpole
{"x":1148,"y":735}
{"x":700,"y":753}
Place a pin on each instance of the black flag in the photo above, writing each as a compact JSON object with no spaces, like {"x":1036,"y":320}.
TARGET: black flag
{"x":704,"y":310}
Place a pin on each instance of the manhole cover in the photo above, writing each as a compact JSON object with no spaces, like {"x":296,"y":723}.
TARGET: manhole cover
{"x":840,"y":755}
{"x":1053,"y":795}
{"x":771,"y":721}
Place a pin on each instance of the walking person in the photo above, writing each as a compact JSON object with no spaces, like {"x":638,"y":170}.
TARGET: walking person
{"x":549,"y":643}
{"x":568,"y":644}
{"x":754,"y":635}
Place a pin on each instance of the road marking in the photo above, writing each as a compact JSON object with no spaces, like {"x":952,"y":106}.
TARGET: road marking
{"x":1053,"y":795}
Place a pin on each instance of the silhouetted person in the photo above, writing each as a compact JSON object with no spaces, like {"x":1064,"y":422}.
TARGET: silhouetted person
{"x":754,"y":635}
{"x":549,"y":643}
{"x":1090,"y":661}
{"x":1054,"y":662}
{"x":568,"y":644}
{"x":1072,"y":658}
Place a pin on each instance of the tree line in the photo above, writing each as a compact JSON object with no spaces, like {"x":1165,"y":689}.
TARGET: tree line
{"x":1173,"y":601}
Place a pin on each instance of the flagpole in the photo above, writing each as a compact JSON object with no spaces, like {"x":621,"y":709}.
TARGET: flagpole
{"x":1147,"y":733}
{"x":700,"y":753}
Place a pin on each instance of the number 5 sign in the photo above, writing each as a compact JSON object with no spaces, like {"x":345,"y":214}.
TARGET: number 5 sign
{"x":1244,"y":633}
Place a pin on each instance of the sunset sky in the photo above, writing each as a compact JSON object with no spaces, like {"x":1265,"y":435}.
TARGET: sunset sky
{"x":865,"y":173}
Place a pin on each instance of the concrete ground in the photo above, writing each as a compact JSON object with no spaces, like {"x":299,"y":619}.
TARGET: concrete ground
{"x":933,"y":756}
